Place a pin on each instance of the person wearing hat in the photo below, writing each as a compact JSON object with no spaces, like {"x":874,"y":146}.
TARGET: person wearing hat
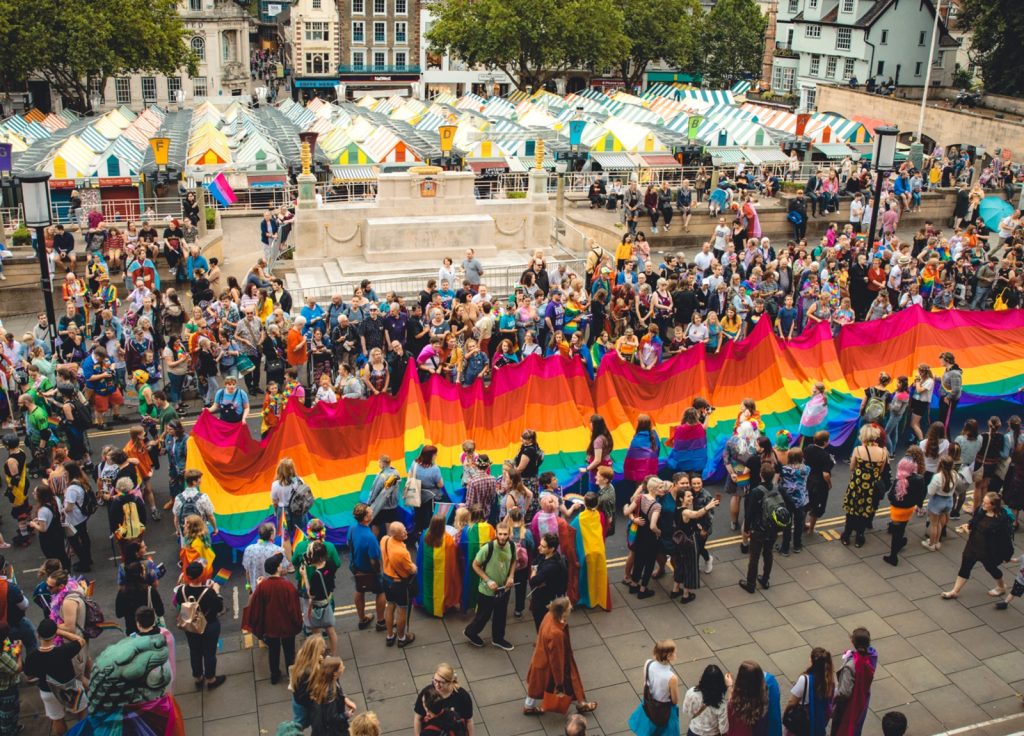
{"x":53,"y":667}
{"x":275,"y":615}
{"x":202,"y":648}
{"x":482,"y":489}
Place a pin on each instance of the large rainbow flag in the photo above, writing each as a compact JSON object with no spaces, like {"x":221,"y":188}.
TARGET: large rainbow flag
{"x":437,"y":571}
{"x":335,"y":446}
{"x":594,"y":590}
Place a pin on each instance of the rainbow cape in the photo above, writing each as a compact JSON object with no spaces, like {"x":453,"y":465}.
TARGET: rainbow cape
{"x":594,"y":590}
{"x":438,"y":576}
{"x":335,"y":446}
{"x":472,"y":538}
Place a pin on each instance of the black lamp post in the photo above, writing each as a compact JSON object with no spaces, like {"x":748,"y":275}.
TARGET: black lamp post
{"x":35,"y":197}
{"x":882,"y":156}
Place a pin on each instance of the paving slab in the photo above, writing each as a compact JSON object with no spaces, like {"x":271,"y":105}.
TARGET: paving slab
{"x":943,"y":651}
{"x":950,"y":706}
{"x":806,"y":615}
{"x":814,"y":576}
{"x":757,"y":616}
{"x":1008,"y":666}
{"x":778,"y":638}
{"x":917,"y":674}
{"x":724,"y":634}
{"x":838,"y":600}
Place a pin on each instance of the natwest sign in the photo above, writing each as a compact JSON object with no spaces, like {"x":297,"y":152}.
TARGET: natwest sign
{"x":381,"y":78}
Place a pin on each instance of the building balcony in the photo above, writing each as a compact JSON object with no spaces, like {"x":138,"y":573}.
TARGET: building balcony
{"x":379,"y":69}
{"x":784,"y":52}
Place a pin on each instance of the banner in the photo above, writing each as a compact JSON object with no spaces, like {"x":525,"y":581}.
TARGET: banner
{"x":801,"y":123}
{"x":5,"y":156}
{"x":221,"y":191}
{"x":693,"y":124}
{"x":335,"y":447}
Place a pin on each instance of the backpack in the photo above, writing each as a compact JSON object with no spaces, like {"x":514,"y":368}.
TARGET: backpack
{"x":93,"y":616}
{"x":191,"y":618}
{"x":517,"y":549}
{"x":301,"y":501}
{"x":774,"y":512}
{"x":874,"y":410}
{"x":89,"y":502}
{"x":189,"y":507}
{"x":131,"y":526}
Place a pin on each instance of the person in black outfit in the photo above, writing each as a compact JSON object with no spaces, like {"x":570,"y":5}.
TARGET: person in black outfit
{"x":550,"y":578}
{"x":762,"y":539}
{"x":138,"y":593}
{"x":202,"y":648}
{"x":907,"y":493}
{"x":799,"y":205}
{"x":819,"y":481}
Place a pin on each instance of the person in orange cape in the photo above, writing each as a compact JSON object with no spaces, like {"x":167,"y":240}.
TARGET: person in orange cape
{"x":552,"y":667}
{"x":549,"y":521}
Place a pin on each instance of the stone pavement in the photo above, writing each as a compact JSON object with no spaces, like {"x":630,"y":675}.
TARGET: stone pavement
{"x":945,"y":664}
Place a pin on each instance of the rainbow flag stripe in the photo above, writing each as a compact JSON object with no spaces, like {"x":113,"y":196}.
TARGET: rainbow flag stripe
{"x":594,"y":590}
{"x":335,"y":446}
{"x":473,"y":537}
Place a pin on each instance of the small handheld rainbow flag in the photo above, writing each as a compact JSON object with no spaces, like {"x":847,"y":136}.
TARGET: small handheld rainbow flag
{"x":222,"y":576}
{"x":221,"y":191}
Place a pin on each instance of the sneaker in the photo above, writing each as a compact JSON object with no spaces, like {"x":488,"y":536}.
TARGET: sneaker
{"x":764,"y":583}
{"x":744,"y":549}
{"x":409,"y":639}
{"x":654,"y":230}
{"x":502,"y":644}
{"x":734,"y":525}
{"x":390,"y":640}
{"x":798,"y":550}
{"x":645,"y":594}
{"x":709,"y":564}
{"x":474,"y":639}
{"x":783,"y":552}
{"x":365,"y":623}
{"x":928,"y":545}
{"x":381,"y":626}
{"x":747,"y":587}
{"x":1002,"y":606}
{"x":517,"y":614}
{"x":155,"y":513}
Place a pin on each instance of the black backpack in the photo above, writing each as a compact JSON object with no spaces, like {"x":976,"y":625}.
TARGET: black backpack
{"x":774,"y":512}
{"x":301,"y":501}
{"x":89,"y":501}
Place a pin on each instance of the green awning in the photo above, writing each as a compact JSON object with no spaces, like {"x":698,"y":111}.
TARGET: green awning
{"x":836,"y":150}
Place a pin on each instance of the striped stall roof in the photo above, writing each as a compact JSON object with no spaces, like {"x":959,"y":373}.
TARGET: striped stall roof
{"x":636,"y":114}
{"x":354,"y":173}
{"x":741,"y":87}
{"x":384,"y":146}
{"x":714,"y":96}
{"x":471,"y":102}
{"x":766,"y":155}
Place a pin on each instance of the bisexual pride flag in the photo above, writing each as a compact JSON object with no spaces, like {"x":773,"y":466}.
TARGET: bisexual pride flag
{"x":221,"y":191}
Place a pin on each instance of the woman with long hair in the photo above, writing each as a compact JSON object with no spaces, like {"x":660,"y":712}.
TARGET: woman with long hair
{"x":49,"y":523}
{"x":552,"y":666}
{"x":661,"y":683}
{"x":644,"y":511}
{"x":642,"y":455}
{"x":989,"y":541}
{"x":853,"y":685}
{"x":599,"y":449}
{"x":921,"y":398}
{"x":286,"y":482}
{"x":815,"y":689}
{"x":517,"y":495}
{"x":196,"y":546}
{"x":867,"y":463}
{"x":748,"y":702}
{"x":689,"y":443}
{"x":907,"y":493}
{"x":425,"y":470}
{"x":969,"y":442}
{"x":521,"y":535}
{"x":685,"y":542}
{"x":331,"y":710}
{"x":986,"y":465}
{"x":438,"y":577}
{"x":300,"y":675}
{"x":934,"y":445}
{"x":941,"y":488}
{"x":138,"y":592}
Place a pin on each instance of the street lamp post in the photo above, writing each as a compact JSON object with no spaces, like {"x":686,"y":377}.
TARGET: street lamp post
{"x":35,"y":196}
{"x":883,"y":156}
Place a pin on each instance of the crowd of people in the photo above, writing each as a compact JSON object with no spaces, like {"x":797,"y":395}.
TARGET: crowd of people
{"x":513,"y":537}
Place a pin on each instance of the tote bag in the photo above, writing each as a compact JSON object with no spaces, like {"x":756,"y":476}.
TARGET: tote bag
{"x":413,"y":489}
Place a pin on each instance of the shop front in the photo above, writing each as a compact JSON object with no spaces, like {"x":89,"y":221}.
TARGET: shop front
{"x":306,"y":88}
{"x":385,"y":83}
{"x":118,"y":197}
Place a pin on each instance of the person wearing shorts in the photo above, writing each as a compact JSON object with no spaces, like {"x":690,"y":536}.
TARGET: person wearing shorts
{"x":51,"y":664}
{"x":399,"y":570}
{"x":364,"y":561}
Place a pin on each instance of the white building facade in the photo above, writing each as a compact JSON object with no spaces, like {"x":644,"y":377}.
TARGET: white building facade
{"x":834,"y":41}
{"x":219,"y":36}
{"x":314,"y":43}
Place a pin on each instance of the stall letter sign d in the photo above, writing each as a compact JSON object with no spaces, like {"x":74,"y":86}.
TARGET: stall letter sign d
{"x":5,"y":157}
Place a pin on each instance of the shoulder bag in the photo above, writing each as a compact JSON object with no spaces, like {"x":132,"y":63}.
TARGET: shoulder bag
{"x":657,"y":711}
{"x":413,"y":489}
{"x":797,"y":717}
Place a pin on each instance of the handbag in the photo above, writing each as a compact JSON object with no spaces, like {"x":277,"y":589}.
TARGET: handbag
{"x":413,"y":489}
{"x":70,"y":694}
{"x":979,"y":468}
{"x":797,"y":717}
{"x":556,"y":703}
{"x":657,"y":711}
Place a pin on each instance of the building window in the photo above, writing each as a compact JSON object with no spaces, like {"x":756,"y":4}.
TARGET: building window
{"x":358,"y":7}
{"x":400,"y":57}
{"x":940,"y":59}
{"x":885,"y":37}
{"x":401,"y":7}
{"x":318,"y":63}
{"x":917,"y":69}
{"x":844,"y":38}
{"x":848,"y":65}
{"x":380,"y":7}
{"x":380,"y":59}
{"x":830,"y":66}
{"x":123,"y":90}
{"x":317,"y":31}
{"x":198,"y":45}
{"x":149,"y":89}
{"x":380,"y":32}
{"x":812,"y":31}
{"x":95,"y":89}
{"x":317,"y":4}
{"x":783,"y":79}
{"x":400,"y":32}
{"x":173,"y":88}
{"x":794,"y":5}
{"x":358,"y":31}
{"x":848,"y":6}
{"x":358,"y":60}
{"x":881,"y":68}
{"x":811,"y":95}
{"x":815,"y":65}
{"x":812,"y":4}
{"x":195,"y":5}
{"x":199,"y":87}
{"x":920,"y":38}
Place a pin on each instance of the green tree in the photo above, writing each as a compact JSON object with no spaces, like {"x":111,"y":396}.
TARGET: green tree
{"x":72,"y":45}
{"x":732,"y":42}
{"x":532,"y":41}
{"x":660,"y":29}
{"x":996,"y":28}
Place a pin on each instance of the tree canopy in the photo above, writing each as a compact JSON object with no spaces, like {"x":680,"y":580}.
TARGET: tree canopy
{"x":532,"y":41}
{"x":72,"y":45}
{"x":732,"y":45}
{"x":996,"y":28}
{"x":660,"y":30}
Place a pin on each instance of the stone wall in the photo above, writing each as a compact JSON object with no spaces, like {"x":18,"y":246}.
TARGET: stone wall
{"x":941,"y":124}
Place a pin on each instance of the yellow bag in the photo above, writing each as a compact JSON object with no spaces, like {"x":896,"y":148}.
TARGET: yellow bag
{"x":131,"y":526}
{"x":1000,"y":303}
